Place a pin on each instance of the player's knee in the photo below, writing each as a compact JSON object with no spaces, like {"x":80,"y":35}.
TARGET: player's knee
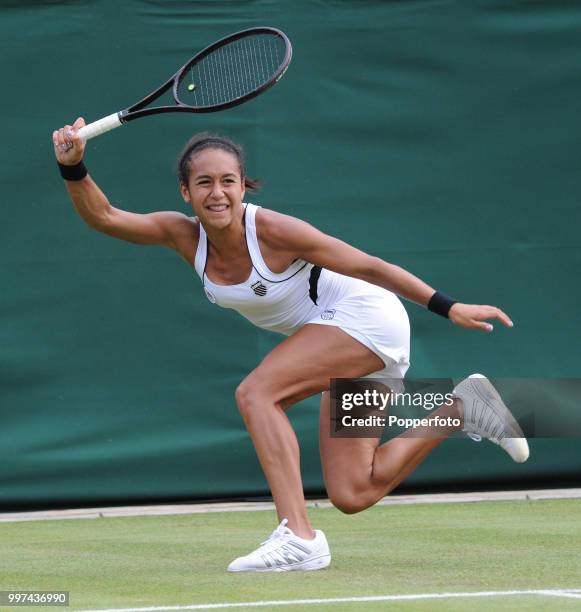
{"x":348,"y":504}
{"x":346,"y":499}
{"x":242,"y":395}
{"x":351,"y":498}
{"x":249,"y":396}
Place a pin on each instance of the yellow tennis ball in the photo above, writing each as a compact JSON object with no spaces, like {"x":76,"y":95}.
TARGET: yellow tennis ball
{"x":191,"y":87}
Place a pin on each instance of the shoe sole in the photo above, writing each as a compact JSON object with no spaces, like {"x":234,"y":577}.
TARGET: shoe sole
{"x":310,"y":565}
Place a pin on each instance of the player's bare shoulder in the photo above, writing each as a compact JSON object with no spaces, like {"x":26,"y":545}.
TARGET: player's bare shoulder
{"x":278,"y":230}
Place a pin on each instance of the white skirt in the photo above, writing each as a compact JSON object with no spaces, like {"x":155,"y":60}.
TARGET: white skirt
{"x":376,"y":318}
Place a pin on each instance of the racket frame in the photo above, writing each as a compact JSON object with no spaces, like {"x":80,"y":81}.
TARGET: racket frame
{"x":138,"y":109}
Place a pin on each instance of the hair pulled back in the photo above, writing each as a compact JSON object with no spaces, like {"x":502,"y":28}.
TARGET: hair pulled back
{"x":206,"y":140}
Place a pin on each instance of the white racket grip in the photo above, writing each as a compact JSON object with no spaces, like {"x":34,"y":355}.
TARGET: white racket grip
{"x":101,"y":126}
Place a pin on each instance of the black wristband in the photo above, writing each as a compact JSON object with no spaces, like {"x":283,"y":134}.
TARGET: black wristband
{"x":440,"y":303}
{"x":73,"y":173}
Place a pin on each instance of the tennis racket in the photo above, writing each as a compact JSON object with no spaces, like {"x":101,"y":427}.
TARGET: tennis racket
{"x":227,"y":73}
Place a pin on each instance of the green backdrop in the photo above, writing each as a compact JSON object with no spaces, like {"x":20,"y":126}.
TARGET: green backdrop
{"x":441,"y":136}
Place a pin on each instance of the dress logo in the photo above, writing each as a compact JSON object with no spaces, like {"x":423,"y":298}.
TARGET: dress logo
{"x":327,"y":315}
{"x":259,"y":288}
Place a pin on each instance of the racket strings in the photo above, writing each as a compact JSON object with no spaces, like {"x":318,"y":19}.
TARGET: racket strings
{"x":232,"y":71}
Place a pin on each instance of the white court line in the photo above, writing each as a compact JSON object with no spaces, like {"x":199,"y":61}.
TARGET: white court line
{"x":575,"y":593}
{"x":571,"y":593}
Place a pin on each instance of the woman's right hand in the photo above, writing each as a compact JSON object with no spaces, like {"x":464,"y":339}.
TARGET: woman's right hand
{"x":69,"y":147}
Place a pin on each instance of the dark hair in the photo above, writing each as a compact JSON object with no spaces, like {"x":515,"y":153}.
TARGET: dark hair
{"x":205,"y":140}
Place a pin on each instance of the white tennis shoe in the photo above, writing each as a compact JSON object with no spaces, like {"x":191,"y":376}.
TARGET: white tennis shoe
{"x":486,"y":416}
{"x":285,"y":552}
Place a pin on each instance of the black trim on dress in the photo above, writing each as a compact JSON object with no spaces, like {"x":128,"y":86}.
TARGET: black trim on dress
{"x":314,"y":283}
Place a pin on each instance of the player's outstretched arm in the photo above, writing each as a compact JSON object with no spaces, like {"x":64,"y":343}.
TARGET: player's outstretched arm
{"x":302,"y":240}
{"x":162,"y":228}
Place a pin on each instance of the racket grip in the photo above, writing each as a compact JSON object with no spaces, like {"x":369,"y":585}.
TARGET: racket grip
{"x":101,"y":126}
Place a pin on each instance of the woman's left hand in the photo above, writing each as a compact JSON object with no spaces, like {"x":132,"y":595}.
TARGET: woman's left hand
{"x":474,"y":316}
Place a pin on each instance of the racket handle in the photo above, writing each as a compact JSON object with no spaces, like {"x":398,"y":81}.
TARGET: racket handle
{"x":100,"y":127}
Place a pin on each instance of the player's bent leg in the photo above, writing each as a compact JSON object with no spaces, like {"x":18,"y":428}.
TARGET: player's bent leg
{"x":300,"y":366}
{"x":358,"y":472}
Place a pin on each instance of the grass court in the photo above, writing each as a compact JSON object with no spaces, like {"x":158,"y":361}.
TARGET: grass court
{"x":432,"y":550}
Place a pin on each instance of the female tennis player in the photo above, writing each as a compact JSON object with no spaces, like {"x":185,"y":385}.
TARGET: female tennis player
{"x":338,"y":308}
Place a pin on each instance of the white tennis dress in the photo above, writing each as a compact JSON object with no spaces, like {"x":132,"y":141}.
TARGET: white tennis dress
{"x":305,"y":293}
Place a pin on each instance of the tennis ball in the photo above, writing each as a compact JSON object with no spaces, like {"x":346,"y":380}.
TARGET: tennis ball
{"x":191,"y":87}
